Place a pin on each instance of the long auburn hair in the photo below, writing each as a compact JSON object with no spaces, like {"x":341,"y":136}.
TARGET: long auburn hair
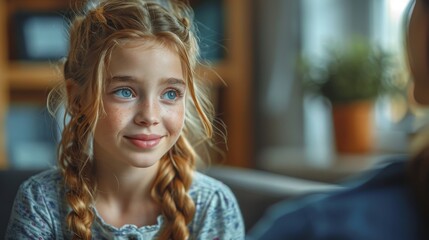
{"x":94,"y":34}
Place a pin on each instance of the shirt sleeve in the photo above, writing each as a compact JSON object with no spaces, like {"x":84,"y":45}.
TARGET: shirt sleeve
{"x":30,"y":218}
{"x":221,"y":219}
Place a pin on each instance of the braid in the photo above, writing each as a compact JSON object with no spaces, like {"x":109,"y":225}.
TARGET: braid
{"x":76,"y":168}
{"x":78,"y":197}
{"x":171,"y":191}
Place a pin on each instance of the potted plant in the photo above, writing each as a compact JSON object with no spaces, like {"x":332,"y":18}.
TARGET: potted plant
{"x":351,"y":78}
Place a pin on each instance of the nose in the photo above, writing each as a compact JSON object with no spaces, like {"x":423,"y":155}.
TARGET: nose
{"x":148,"y":113}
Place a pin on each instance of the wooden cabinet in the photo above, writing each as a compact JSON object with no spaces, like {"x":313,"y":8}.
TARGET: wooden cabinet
{"x":239,"y":74}
{"x":234,"y":68}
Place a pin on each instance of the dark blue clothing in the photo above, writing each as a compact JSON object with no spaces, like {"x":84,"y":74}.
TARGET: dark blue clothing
{"x":381,"y":206}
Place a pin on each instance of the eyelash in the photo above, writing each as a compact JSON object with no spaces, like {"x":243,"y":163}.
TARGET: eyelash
{"x":117,"y":91}
{"x":178,"y":92}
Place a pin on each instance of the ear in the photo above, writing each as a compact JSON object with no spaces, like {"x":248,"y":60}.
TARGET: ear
{"x":73,"y":99}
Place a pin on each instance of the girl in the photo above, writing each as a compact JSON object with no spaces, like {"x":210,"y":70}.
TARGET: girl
{"x":126,"y":166}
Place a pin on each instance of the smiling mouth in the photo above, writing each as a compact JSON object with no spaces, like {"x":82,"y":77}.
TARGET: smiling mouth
{"x":144,"y":141}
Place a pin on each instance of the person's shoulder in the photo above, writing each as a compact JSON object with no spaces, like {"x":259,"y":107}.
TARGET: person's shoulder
{"x":217,"y":214}
{"x":389,"y":173}
{"x":45,"y":178}
{"x":46,"y":182}
{"x":203,"y":180}
{"x":208,"y":193}
{"x":384,"y":181}
{"x":380,"y":194}
{"x":206,"y":185}
{"x":387,"y":180}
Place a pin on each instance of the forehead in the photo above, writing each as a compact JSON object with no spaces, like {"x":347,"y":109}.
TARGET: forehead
{"x":147,"y":43}
{"x":142,"y":58}
{"x":135,"y":49}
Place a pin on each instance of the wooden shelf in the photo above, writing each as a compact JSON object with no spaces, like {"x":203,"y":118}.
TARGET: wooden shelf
{"x":34,"y":76}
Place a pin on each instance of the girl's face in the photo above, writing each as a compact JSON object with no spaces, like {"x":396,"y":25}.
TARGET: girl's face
{"x":418,"y":51}
{"x":144,"y":102}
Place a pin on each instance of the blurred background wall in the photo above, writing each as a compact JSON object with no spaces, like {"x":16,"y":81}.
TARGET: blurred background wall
{"x":254,"y":46}
{"x":293,"y":129}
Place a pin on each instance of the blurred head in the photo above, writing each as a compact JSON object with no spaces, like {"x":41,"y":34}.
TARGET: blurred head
{"x":418,"y":50}
{"x":418,"y":56}
{"x":97,"y":35}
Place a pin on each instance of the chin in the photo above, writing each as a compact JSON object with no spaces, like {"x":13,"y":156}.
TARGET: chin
{"x":143,"y":162}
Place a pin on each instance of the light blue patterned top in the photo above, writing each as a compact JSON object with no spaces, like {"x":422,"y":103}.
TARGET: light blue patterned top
{"x":40,"y":210}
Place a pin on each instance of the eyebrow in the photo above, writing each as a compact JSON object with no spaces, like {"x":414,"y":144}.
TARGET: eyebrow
{"x":175,"y":81}
{"x":123,"y":78}
{"x":170,"y":81}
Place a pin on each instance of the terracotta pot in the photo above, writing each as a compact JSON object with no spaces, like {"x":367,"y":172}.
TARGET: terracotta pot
{"x":353,"y":127}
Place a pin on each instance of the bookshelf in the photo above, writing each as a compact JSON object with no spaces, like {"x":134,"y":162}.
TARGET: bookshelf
{"x":18,"y":78}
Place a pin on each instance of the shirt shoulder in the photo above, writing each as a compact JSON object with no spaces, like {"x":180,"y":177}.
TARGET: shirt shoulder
{"x":202,"y":182}
{"x":206,"y":190}
{"x":47,"y":177}
{"x":38,"y":207}
{"x":381,"y":195}
{"x":379,"y":189}
{"x":46,"y":183}
{"x":217,"y":214}
{"x":49,"y":183}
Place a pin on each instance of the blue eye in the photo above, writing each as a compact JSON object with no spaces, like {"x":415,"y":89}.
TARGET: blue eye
{"x":124,"y":93}
{"x":170,"y":95}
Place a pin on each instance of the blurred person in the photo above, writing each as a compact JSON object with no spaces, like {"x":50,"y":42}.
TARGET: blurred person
{"x":391,"y":202}
{"x":126,"y":164}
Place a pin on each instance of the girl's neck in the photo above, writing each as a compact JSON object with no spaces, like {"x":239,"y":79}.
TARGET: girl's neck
{"x":124,"y":183}
{"x":123,"y":196}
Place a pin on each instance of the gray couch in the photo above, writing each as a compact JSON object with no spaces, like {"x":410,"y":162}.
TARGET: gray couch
{"x":255,"y":190}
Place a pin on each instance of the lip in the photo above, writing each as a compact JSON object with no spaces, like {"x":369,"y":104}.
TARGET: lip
{"x":144,"y":141}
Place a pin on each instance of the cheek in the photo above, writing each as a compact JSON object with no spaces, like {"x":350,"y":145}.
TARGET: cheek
{"x":174,"y":119}
{"x":114,"y":119}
